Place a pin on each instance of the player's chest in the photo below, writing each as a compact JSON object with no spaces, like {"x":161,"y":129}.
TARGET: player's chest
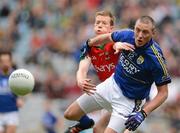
{"x":132,"y":62}
{"x":3,"y":82}
{"x":105,"y":54}
{"x":4,"y":87}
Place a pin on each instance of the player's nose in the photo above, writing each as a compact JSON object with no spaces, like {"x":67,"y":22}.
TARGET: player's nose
{"x":100,"y":26}
{"x":140,"y":35}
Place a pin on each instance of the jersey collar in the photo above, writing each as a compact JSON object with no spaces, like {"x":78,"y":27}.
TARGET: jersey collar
{"x":101,"y":46}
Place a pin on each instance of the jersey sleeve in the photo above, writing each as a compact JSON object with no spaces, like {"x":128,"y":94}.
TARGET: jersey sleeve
{"x":121,"y":35}
{"x":82,"y":56}
{"x":117,"y":36}
{"x":159,"y":70}
{"x":84,"y":51}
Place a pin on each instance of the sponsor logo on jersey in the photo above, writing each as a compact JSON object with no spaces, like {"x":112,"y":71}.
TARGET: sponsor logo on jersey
{"x":103,"y":68}
{"x":128,"y":66}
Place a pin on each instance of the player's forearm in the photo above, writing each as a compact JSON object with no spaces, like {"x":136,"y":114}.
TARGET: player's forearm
{"x":81,"y":74}
{"x":157,"y":100}
{"x":98,"y":40}
{"x":83,"y":68}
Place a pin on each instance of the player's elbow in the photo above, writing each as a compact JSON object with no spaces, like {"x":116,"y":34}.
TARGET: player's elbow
{"x":166,"y":95}
{"x":163,"y":92}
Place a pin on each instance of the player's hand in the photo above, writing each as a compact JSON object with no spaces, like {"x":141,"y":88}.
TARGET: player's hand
{"x":87,"y":86}
{"x":85,"y":49}
{"x":134,"y":120}
{"x":118,"y":46}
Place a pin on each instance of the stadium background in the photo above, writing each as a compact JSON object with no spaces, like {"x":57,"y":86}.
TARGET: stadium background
{"x":45,"y":36}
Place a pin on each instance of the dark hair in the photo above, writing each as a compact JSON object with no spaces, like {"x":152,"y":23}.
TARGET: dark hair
{"x":107,"y":13}
{"x":147,"y":20}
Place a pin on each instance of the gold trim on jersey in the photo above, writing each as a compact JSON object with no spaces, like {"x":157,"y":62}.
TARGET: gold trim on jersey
{"x":155,"y":51}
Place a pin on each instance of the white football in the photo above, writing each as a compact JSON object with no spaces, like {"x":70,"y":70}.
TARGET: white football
{"x":21,"y":82}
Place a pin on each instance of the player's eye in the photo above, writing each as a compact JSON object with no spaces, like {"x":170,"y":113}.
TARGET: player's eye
{"x":145,"y":32}
{"x":105,"y":23}
{"x":137,"y":30}
{"x":97,"y":22}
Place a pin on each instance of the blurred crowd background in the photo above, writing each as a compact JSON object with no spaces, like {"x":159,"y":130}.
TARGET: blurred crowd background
{"x":45,"y":37}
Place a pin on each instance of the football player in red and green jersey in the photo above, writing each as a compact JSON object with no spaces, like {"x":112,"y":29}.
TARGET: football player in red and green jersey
{"x":104,"y":60}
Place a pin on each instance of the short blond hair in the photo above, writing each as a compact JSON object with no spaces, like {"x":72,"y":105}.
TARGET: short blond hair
{"x":147,"y":20}
{"x":107,"y":13}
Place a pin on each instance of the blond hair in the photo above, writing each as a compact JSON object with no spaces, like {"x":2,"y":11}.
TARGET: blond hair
{"x":147,"y":20}
{"x":107,"y":13}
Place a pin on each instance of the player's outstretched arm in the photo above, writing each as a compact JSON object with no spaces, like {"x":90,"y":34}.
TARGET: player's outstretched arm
{"x":83,"y":82}
{"x":100,"y":39}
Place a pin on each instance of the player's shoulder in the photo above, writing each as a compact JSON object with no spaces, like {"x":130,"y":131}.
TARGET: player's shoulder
{"x":124,"y":31}
{"x":154,"y":48}
{"x":122,"y":35}
{"x":154,"y":52}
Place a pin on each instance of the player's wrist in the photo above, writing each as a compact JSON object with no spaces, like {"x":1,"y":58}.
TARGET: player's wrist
{"x":143,"y":113}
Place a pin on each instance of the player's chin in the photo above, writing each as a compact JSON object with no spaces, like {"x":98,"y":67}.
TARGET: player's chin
{"x":99,"y":32}
{"x":139,"y":44}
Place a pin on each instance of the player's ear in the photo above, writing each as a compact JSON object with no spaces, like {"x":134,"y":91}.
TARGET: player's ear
{"x":153,"y":31}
